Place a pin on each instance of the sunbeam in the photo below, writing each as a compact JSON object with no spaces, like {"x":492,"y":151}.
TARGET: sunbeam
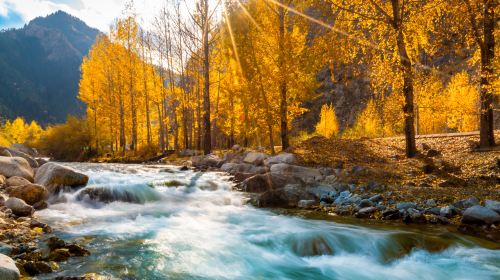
{"x":350,"y":36}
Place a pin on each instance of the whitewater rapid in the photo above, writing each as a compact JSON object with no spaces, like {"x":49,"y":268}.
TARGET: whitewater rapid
{"x":191,"y":225}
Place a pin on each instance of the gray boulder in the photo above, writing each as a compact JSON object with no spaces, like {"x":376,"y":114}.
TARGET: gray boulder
{"x":207,"y":161}
{"x":257,"y":183}
{"x":321,"y":191}
{"x":493,"y":205}
{"x":233,"y":168}
{"x":289,"y":196}
{"x":306,"y":203}
{"x":305,"y":174}
{"x":264,"y":182}
{"x":8,"y":268}
{"x":287,"y":158}
{"x":366,"y":212}
{"x":406,"y":205}
{"x":342,"y":198}
{"x":16,"y":153}
{"x":480,"y":215}
{"x":24,"y":149}
{"x":255,"y":158}
{"x":55,"y":176}
{"x":16,"y":166}
{"x":19,"y":207}
{"x":466,"y":203}
{"x":448,"y":211}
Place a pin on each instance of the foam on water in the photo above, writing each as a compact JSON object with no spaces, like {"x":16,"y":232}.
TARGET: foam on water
{"x":199,"y":229}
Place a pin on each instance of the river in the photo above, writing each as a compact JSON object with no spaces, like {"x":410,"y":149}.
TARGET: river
{"x":200,"y":229}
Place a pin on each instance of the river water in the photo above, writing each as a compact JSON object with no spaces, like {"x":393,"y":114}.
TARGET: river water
{"x":200,"y":229}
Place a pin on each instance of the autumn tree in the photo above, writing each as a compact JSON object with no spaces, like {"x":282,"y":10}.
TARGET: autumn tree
{"x":327,"y":125}
{"x":396,"y":30}
{"x":479,"y":19}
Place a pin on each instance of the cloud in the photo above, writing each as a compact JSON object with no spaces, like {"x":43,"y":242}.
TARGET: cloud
{"x":96,"y":13}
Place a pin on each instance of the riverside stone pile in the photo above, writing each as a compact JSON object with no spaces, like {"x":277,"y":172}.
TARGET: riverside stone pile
{"x":26,"y":184}
{"x":280,"y":181}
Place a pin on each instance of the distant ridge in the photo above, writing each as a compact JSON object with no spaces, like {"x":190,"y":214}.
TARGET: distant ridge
{"x":40,"y":68}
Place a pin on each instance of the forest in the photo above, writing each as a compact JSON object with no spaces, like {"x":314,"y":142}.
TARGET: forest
{"x":241,"y":72}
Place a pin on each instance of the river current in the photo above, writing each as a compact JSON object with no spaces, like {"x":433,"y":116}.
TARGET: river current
{"x":191,"y":225}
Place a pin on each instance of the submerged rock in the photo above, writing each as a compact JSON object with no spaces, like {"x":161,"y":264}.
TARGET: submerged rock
{"x":8,"y":268}
{"x":480,"y":215}
{"x":35,"y":268}
{"x":59,"y":255}
{"x":134,"y":194}
{"x":16,"y":166}
{"x":55,"y":176}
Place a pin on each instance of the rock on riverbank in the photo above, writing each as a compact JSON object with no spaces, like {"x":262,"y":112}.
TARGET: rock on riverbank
{"x":19,"y":198}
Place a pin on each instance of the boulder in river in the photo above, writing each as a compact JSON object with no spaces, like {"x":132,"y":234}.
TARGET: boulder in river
{"x":17,"y":181}
{"x":30,"y":193}
{"x":480,"y":215}
{"x":8,"y":268}
{"x":19,"y":207}
{"x":305,"y":174}
{"x":55,"y":176}
{"x":16,"y":166}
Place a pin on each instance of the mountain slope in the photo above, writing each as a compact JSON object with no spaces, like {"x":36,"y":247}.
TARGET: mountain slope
{"x":40,"y":68}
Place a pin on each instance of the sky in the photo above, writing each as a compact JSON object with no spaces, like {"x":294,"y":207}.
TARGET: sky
{"x":96,"y":13}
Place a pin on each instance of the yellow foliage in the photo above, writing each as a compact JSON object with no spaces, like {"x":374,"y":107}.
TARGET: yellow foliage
{"x":327,"y":125}
{"x":368,"y":123}
{"x":462,"y":104}
{"x":20,"y":132}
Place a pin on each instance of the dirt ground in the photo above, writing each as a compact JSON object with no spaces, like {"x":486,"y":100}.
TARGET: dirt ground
{"x":457,"y":172}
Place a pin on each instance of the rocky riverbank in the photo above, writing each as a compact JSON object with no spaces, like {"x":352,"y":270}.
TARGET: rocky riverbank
{"x":282,"y":181}
{"x":26,"y":245}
